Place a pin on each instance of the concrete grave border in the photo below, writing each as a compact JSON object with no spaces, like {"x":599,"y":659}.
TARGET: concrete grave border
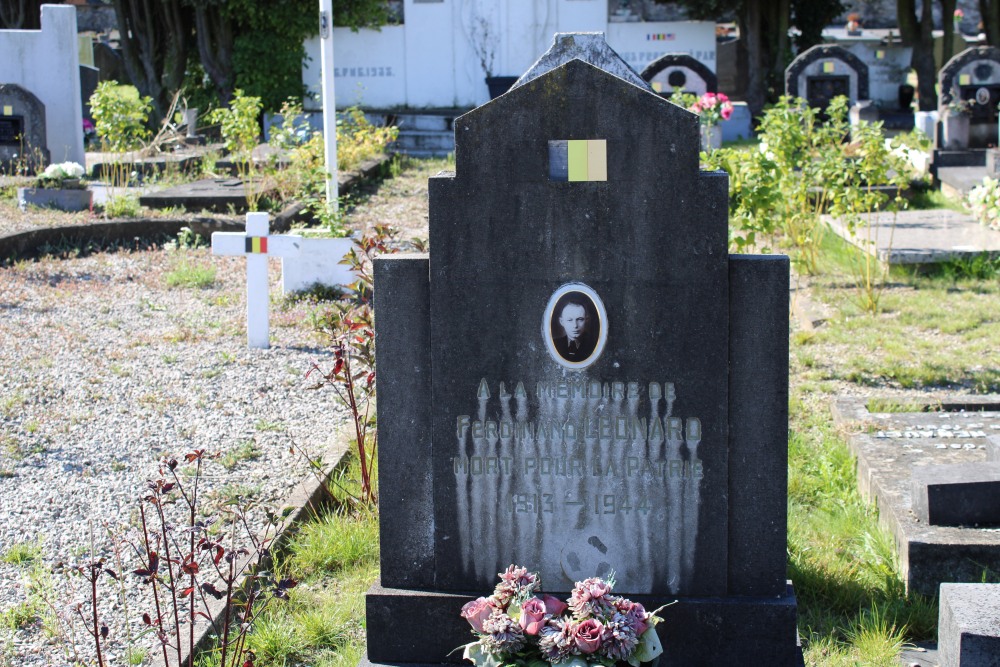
{"x":682,"y":60}
{"x":823,"y":52}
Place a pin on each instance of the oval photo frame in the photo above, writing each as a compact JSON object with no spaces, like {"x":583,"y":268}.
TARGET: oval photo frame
{"x":575,"y":326}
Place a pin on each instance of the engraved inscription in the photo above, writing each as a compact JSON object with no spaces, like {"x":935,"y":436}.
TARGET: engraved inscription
{"x":567,"y":473}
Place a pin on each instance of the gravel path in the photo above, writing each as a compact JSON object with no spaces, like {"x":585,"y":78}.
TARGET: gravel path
{"x":105,"y":370}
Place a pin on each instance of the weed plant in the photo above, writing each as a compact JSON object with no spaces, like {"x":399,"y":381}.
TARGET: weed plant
{"x":240,"y":132}
{"x":120,"y":117}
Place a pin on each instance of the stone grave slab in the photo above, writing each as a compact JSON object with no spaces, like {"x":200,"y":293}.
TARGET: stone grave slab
{"x":969,"y":625}
{"x":963,"y":494}
{"x":923,"y":237}
{"x":887,"y":452}
{"x":580,"y":379}
{"x":211,"y":194}
{"x":956,"y":182}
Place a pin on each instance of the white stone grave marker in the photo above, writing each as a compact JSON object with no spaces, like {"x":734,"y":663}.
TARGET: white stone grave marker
{"x":256,"y":245}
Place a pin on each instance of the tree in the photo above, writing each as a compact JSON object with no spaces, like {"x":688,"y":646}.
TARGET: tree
{"x":989,"y":10}
{"x":917,"y":32}
{"x":155,"y":40}
{"x":764,"y":49}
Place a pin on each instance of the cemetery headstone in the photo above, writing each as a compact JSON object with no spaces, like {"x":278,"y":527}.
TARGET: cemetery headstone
{"x":319,"y":263}
{"x":256,"y":245}
{"x":22,"y":131}
{"x":825,"y":71}
{"x":974,"y":76}
{"x":679,"y":70}
{"x":46,"y":63}
{"x":611,"y":395}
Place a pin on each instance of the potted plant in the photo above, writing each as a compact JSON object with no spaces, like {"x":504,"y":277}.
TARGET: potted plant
{"x":853,"y":24}
{"x":484,"y":43}
{"x":712,"y":108}
{"x":60,"y":186}
{"x":955,"y":124}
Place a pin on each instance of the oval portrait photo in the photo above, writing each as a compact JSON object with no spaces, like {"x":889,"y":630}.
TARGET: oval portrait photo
{"x":575,"y":326}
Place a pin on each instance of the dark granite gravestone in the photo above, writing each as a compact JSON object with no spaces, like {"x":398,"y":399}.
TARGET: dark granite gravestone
{"x":824,"y":71}
{"x":679,"y":70}
{"x":23,"y":144}
{"x":581,"y":379}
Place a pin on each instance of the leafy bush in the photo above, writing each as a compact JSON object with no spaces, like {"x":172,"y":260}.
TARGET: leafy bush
{"x":120,"y":116}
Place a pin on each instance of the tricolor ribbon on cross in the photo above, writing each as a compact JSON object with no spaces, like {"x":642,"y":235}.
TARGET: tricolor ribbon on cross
{"x":256,"y":245}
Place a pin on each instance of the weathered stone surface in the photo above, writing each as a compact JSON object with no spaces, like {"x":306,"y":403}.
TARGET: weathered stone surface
{"x":965,"y":494}
{"x":969,"y":625}
{"x":657,"y":259}
{"x":928,"y":555}
{"x":582,"y":380}
{"x":406,"y":510}
{"x":758,"y":424}
{"x":588,"y":47}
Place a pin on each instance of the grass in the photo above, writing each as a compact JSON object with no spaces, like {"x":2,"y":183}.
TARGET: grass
{"x":22,"y":553}
{"x":246,"y":450}
{"x":191,"y":275}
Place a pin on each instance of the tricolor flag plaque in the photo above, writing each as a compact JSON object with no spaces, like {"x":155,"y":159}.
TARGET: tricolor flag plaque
{"x":578,"y":160}
{"x":256,"y":245}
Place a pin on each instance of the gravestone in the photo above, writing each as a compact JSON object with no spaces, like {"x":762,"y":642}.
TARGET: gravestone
{"x":973,"y":75}
{"x":22,"y":131}
{"x":610,"y":395}
{"x":46,"y":63}
{"x":825,"y":71}
{"x":679,"y":70}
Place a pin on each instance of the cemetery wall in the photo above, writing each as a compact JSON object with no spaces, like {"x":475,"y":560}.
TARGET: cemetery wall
{"x":46,"y":63}
{"x":431,"y":60}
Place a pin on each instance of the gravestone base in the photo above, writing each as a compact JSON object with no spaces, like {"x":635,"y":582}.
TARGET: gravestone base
{"x":733,"y":630}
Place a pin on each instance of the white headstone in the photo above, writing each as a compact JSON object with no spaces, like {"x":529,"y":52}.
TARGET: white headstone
{"x":256,"y":245}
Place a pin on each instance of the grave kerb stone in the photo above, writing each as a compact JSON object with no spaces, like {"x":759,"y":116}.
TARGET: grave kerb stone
{"x":969,"y":625}
{"x":964,"y":494}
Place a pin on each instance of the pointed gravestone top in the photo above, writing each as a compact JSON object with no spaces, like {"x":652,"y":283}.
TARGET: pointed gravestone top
{"x":590,"y":47}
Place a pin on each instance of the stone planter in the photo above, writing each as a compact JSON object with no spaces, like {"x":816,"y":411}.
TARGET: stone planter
{"x":955,"y":131}
{"x":64,"y":200}
{"x":711,"y":137}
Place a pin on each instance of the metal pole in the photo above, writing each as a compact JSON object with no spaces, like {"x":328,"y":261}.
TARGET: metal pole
{"x":329,"y":104}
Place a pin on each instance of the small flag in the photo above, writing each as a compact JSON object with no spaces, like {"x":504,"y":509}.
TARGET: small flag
{"x":256,"y":245}
{"x":578,"y":160}
{"x":964,"y":80}
{"x":828,"y":67}
{"x":879,"y":54}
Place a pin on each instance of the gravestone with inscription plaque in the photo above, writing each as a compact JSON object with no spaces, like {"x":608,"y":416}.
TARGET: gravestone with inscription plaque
{"x":580,"y":378}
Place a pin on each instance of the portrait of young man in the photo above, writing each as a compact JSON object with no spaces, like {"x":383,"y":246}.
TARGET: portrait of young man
{"x":575,"y":327}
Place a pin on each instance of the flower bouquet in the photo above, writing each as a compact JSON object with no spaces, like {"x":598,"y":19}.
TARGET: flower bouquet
{"x":518,"y":625}
{"x":65,"y":176}
{"x":712,"y":108}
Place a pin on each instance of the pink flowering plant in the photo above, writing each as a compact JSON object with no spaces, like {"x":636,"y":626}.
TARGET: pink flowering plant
{"x":520,"y":626}
{"x":713,"y":108}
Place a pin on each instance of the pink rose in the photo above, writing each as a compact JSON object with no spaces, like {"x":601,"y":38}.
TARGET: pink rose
{"x":587,"y":636}
{"x":532,"y":616}
{"x":636,"y":615}
{"x":553,"y":605}
{"x":727,"y":111}
{"x":476,"y":612}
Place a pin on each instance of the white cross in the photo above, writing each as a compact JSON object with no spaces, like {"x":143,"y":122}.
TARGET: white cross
{"x":256,"y":245}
